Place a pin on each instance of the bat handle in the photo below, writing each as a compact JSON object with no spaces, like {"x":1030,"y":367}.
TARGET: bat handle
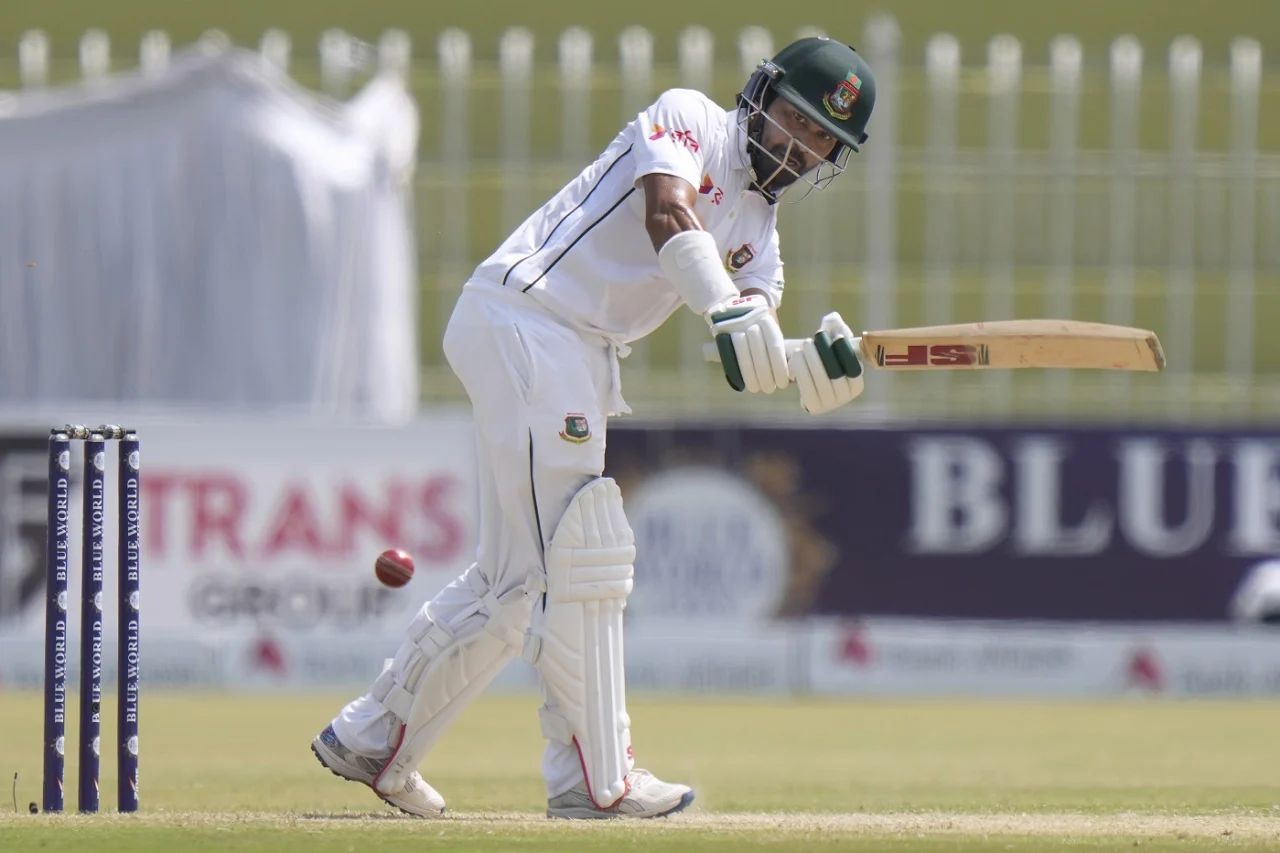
{"x":711,"y":353}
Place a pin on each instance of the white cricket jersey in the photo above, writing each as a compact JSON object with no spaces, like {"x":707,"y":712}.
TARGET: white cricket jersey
{"x":586,"y":255}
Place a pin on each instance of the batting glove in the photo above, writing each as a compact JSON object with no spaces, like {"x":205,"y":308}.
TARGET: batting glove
{"x":826,"y":367}
{"x":752,"y":349}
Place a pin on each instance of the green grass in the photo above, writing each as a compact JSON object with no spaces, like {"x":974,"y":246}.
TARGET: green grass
{"x":317,"y":835}
{"x":233,"y":772}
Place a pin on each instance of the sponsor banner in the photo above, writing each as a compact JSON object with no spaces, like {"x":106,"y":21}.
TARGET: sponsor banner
{"x":825,"y":657}
{"x":259,"y":662}
{"x":172,"y":664}
{"x":769,"y":559}
{"x":24,"y":470}
{"x":666,"y":656}
{"x":902,"y":657}
{"x":930,"y":658}
{"x":676,"y":656}
{"x":1094,"y":525}
{"x":274,"y":663}
{"x":257,"y":529}
{"x":714,"y":657}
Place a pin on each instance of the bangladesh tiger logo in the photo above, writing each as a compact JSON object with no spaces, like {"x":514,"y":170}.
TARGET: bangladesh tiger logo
{"x":738,"y":258}
{"x":840,"y":101}
{"x":576,"y":429}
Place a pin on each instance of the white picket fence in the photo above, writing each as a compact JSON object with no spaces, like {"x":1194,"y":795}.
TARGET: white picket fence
{"x":960,"y":219}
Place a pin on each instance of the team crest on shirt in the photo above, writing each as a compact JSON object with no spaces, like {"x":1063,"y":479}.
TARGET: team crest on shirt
{"x":738,"y":258}
{"x":839,"y":102}
{"x":576,"y":429}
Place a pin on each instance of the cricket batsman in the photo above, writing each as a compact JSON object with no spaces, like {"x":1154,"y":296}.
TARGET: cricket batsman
{"x":679,"y":210}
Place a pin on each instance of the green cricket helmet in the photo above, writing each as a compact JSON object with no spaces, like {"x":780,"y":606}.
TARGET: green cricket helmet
{"x":830,"y":84}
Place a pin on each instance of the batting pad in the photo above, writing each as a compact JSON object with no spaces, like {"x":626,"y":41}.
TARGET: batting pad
{"x":576,"y":638}
{"x":435,"y":674}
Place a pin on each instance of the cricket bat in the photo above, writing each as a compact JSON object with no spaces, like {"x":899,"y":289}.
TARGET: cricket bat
{"x":1006,"y":345}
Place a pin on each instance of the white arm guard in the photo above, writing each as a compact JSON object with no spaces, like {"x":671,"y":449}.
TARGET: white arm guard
{"x":692,"y":264}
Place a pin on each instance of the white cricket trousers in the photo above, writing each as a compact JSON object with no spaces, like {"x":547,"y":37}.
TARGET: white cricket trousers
{"x":532,"y":379}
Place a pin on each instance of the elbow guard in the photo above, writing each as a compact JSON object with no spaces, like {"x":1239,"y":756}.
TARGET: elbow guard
{"x":692,"y":264}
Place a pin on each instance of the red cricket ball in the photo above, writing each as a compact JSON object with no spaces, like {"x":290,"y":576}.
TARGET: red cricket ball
{"x":394,"y":567}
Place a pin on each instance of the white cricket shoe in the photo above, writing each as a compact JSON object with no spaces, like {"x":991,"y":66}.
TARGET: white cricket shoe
{"x":417,"y":798}
{"x":647,"y":796}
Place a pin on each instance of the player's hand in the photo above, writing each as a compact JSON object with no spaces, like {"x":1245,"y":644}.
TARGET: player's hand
{"x":826,"y":367}
{"x":752,"y":350}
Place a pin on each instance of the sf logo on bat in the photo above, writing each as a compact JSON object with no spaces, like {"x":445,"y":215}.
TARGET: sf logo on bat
{"x":934,"y":355}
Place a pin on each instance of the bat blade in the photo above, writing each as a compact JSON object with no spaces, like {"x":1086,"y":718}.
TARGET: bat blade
{"x":1015,"y":344}
{"x":1006,"y":345}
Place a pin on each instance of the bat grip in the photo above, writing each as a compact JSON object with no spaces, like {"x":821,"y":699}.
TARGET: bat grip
{"x":793,"y":345}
